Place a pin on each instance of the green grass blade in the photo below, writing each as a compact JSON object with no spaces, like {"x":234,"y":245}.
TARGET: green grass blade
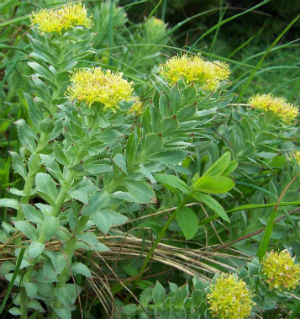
{"x":218,"y":25}
{"x":248,"y":207}
{"x":11,"y":283}
{"x":264,"y":244}
{"x":244,"y":88}
{"x":13,"y":21}
{"x":111,"y":31}
{"x":164,"y":10}
{"x":221,"y":15}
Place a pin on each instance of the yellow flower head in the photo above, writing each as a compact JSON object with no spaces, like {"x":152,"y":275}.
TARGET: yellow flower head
{"x":281,"y":270}
{"x":137,"y":106}
{"x":229,"y":298}
{"x":277,"y":105}
{"x":62,"y":19}
{"x":208,"y":75}
{"x":97,"y":85}
{"x":296,"y":155}
{"x":157,"y":21}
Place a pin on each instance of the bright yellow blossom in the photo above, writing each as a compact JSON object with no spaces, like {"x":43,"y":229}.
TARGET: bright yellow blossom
{"x":194,"y":69}
{"x":280,"y":270}
{"x":137,"y":106}
{"x":277,"y":105}
{"x":98,"y":85}
{"x":229,"y":298}
{"x":62,"y":19}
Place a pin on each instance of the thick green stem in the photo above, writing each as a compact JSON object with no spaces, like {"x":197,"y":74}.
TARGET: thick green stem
{"x":62,"y":194}
{"x":29,"y":181}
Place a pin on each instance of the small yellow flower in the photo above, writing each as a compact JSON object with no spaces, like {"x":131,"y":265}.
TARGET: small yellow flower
{"x":157,"y":21}
{"x":137,"y":106}
{"x":229,"y":298}
{"x":297,"y":157}
{"x":208,"y":75}
{"x":281,"y":270}
{"x":277,"y":105}
{"x":97,"y":85}
{"x":62,"y":19}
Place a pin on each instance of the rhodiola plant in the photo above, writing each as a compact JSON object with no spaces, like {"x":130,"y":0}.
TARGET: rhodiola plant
{"x":87,"y":150}
{"x":99,"y":152}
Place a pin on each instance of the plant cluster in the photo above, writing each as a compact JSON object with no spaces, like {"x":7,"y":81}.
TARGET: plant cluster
{"x":167,"y":151}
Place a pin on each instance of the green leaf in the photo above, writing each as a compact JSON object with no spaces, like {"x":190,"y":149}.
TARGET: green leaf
{"x":18,"y":165}
{"x":212,"y":204}
{"x":219,"y":166}
{"x":213,"y":184}
{"x":9,"y":202}
{"x":27,"y":229}
{"x":119,"y":160}
{"x":31,"y":289}
{"x":158,"y":293}
{"x":146,"y":119}
{"x":89,"y":241}
{"x":34,"y":304}
{"x":151,"y":145}
{"x":81,"y":269}
{"x":58,"y":260}
{"x":46,"y":188}
{"x":96,"y":202}
{"x":117,"y":219}
{"x":50,"y":226}
{"x":35,"y":249}
{"x":140,"y":191}
{"x":26,"y":136}
{"x":34,"y":163}
{"x":97,"y":169}
{"x":59,"y":154}
{"x":124,"y":196}
{"x":146,"y":296}
{"x":129,"y":310}
{"x":83,"y":190}
{"x":15,"y":311}
{"x":168,"y":126}
{"x":231,"y":167}
{"x":131,"y":148}
{"x":187,"y":221}
{"x":108,"y":135}
{"x":66,"y":295}
{"x":32,"y":214}
{"x":173,"y":181}
{"x":144,"y":170}
{"x":169,"y":157}
{"x":181,"y":295}
{"x":40,"y":69}
{"x":102,"y":219}
{"x":52,"y":166}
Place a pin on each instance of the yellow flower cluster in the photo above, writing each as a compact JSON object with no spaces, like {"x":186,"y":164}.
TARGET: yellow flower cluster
{"x":97,"y":85}
{"x":62,"y":19}
{"x":281,"y":270}
{"x":157,"y":21}
{"x":277,"y":105}
{"x":194,"y":69}
{"x":297,"y":157}
{"x":229,"y":298}
{"x":137,"y":106}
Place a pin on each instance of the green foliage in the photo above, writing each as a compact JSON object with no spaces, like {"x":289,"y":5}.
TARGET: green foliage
{"x":86,"y":192}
